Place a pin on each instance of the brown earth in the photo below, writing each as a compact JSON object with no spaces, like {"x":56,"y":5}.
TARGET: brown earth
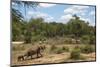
{"x":53,"y":58}
{"x":48,"y":57}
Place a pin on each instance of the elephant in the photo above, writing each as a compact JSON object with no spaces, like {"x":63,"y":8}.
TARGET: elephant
{"x":36,"y":51}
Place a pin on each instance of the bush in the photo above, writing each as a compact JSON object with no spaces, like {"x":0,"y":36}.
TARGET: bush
{"x":65,"y":48}
{"x":87,"y":49}
{"x":92,"y":40}
{"x":61,"y":50}
{"x":68,"y":41}
{"x":75,"y":54}
{"x":58,"y":51}
{"x":88,"y":39}
{"x":85,"y":39}
{"x":53,"y":47}
{"x":18,"y":48}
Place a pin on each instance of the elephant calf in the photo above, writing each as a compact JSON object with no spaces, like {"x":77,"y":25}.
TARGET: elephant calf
{"x":21,"y":57}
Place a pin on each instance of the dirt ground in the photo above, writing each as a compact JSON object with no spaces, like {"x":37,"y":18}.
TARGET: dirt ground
{"x":49,"y":58}
{"x":53,"y":58}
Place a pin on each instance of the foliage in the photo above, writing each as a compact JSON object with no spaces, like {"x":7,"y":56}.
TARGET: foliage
{"x":53,"y":47}
{"x":25,"y":4}
{"x":92,"y":40}
{"x":88,"y":39}
{"x":59,"y":50}
{"x":18,"y":48}
{"x":77,"y":27}
{"x":65,"y":49}
{"x":85,"y":39}
{"x":37,"y":29}
{"x":75,"y":54}
{"x":87,"y":49}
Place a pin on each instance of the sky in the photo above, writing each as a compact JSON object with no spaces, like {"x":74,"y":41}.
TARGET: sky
{"x":60,"y":12}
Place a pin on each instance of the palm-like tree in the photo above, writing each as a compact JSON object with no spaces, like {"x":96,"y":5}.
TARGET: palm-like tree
{"x":17,"y":17}
{"x":26,"y":5}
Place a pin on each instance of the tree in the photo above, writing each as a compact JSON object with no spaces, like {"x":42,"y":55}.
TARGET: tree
{"x":77,"y":27}
{"x":16,"y":24}
{"x":18,"y":27}
{"x":25,"y":5}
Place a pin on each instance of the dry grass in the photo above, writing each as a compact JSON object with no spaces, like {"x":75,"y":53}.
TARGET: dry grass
{"x":47,"y":56}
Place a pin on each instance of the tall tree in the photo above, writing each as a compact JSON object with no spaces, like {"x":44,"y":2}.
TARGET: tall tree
{"x":77,"y":27}
{"x":18,"y":27}
{"x":25,"y":5}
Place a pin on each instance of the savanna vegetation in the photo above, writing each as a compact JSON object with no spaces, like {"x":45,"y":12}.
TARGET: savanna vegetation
{"x":73,"y":41}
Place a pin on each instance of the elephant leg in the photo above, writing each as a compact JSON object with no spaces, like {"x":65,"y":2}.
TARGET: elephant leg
{"x":41,"y":55}
{"x":31,"y":56}
{"x":37,"y":55}
{"x":23,"y":57}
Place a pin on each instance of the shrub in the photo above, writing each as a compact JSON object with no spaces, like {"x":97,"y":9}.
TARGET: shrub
{"x":85,"y":39}
{"x":92,"y":40}
{"x":53,"y":47}
{"x":65,"y":48}
{"x":67,"y":41}
{"x":58,"y":51}
{"x":88,"y":39}
{"x":61,"y":50}
{"x":75,"y":54}
{"x":18,"y":48}
{"x":13,"y":48}
{"x":87,"y":49}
